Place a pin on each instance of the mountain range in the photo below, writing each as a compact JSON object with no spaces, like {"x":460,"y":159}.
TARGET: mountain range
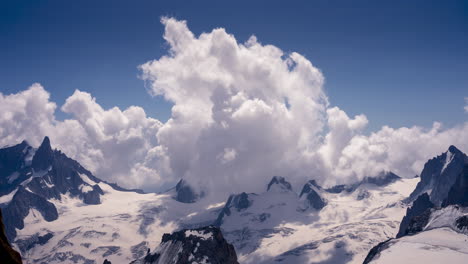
{"x":56,"y":211}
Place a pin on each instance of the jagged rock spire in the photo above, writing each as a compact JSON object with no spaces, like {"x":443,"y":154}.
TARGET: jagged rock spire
{"x":44,"y":156}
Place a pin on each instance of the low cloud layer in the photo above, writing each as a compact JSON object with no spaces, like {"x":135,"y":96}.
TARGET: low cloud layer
{"x":243,"y":112}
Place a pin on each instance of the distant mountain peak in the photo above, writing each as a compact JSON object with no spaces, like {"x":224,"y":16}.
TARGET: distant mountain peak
{"x":44,"y":156}
{"x":454,"y":149}
{"x":280,"y":183}
{"x":311,"y":192}
{"x":185,"y":193}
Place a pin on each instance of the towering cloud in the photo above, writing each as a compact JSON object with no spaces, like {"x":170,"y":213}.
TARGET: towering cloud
{"x":243,"y":112}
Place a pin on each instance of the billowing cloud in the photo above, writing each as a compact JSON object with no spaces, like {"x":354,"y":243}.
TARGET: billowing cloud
{"x":120,"y":146}
{"x":242,"y":113}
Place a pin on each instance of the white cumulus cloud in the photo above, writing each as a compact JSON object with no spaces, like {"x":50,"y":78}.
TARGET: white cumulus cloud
{"x":242,"y":113}
{"x":120,"y":146}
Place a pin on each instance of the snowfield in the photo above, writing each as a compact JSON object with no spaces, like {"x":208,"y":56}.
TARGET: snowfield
{"x":120,"y":229}
{"x":275,"y":229}
{"x":440,"y":245}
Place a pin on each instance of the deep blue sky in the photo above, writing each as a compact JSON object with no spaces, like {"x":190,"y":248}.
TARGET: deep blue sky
{"x":399,"y":63}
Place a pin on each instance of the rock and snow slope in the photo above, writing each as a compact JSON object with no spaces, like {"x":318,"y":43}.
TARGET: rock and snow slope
{"x":430,"y":233}
{"x":58,"y":212}
{"x":70,"y":216}
{"x":437,"y":237}
{"x":281,"y":226}
{"x":196,"y":246}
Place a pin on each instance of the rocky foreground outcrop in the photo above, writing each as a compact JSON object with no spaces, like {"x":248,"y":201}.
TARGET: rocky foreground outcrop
{"x":7,"y":254}
{"x":201,"y":245}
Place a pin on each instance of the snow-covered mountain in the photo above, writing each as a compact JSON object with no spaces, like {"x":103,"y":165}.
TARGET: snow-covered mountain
{"x":435,"y":227}
{"x":58,"y":212}
{"x":335,"y":225}
{"x":439,"y":175}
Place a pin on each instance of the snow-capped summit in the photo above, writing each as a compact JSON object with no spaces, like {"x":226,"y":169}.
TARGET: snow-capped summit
{"x":311,"y":195}
{"x":439,"y":174}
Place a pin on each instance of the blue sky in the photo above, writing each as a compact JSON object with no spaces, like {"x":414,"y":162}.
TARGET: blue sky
{"x":399,"y":63}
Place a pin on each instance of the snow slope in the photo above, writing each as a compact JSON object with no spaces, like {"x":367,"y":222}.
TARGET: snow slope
{"x":275,"y":228}
{"x":440,"y":245}
{"x":120,"y":229}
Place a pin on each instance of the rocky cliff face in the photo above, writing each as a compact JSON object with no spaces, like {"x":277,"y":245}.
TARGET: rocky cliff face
{"x":7,"y":254}
{"x":201,"y":245}
{"x":458,"y":193}
{"x":439,"y":207}
{"x":419,"y":206}
{"x":444,"y":181}
{"x":439,"y":175}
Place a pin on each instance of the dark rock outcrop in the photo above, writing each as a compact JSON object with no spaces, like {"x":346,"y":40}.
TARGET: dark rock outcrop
{"x":7,"y":253}
{"x":375,"y":251}
{"x":311,"y":193}
{"x":458,"y":193}
{"x":201,"y":245}
{"x":419,"y":206}
{"x":383,"y":179}
{"x":280,"y":183}
{"x":26,"y":244}
{"x":19,"y":207}
{"x":14,"y":166}
{"x":238,"y":202}
{"x":462,"y":223}
{"x":94,"y":196}
{"x":185,"y":193}
{"x":418,"y":222}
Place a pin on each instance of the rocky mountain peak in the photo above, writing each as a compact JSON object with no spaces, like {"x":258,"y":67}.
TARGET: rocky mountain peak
{"x":279,"y":183}
{"x":454,"y":150}
{"x":44,"y":156}
{"x":439,"y":175}
{"x":311,"y":193}
{"x":201,"y":245}
{"x":185,"y":193}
